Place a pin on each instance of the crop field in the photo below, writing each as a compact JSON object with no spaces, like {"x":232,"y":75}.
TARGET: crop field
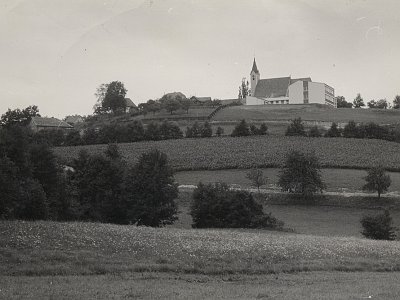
{"x":307,"y":113}
{"x":262,"y":151}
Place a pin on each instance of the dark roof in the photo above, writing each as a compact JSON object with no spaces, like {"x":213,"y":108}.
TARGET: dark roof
{"x":201,"y":99}
{"x":272,"y":87}
{"x":73,"y":119}
{"x":254,"y":67}
{"x":129,"y":103}
{"x":300,"y":79}
{"x":50,"y":122}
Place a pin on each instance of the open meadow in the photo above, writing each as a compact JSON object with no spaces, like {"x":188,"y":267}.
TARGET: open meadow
{"x":261,"y":151}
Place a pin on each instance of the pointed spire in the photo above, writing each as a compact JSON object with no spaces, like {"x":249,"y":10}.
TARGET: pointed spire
{"x":254,"y":69}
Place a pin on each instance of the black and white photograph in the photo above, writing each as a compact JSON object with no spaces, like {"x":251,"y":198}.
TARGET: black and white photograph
{"x":199,"y":149}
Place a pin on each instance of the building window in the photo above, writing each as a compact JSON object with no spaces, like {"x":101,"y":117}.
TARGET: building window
{"x":305,"y":85}
{"x":254,"y":77}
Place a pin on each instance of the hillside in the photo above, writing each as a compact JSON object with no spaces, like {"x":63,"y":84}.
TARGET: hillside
{"x":262,"y":151}
{"x":312,"y":112}
{"x":49,"y":248}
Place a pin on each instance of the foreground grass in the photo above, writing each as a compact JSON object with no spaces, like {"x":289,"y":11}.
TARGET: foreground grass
{"x":262,"y":151}
{"x":50,"y":248}
{"x":313,"y":285}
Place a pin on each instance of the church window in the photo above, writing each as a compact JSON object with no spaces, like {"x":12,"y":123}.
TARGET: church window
{"x":254,"y":77}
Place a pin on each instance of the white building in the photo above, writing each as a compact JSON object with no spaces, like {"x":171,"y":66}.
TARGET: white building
{"x":287,"y":90}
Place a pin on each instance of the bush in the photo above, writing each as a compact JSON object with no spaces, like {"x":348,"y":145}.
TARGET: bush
{"x":206,"y":130}
{"x":215,"y":206}
{"x":378,"y":227}
{"x":334,"y":131}
{"x":242,"y":129}
{"x":220,"y":131}
{"x":296,"y":128}
{"x":377,"y":181}
{"x":314,"y":132}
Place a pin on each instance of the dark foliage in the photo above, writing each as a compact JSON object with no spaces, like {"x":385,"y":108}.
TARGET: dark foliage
{"x":215,"y":206}
{"x":377,"y":180}
{"x":152,"y":191}
{"x":219,"y":131}
{"x":378,"y":227}
{"x":296,"y":128}
{"x":314,"y":132}
{"x":301,"y":174}
{"x":241,"y":129}
{"x":334,"y":131}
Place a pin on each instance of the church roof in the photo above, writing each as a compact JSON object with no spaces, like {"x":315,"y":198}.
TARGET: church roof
{"x":300,"y":79}
{"x":129,"y":102}
{"x":272,"y":87}
{"x":254,"y":69}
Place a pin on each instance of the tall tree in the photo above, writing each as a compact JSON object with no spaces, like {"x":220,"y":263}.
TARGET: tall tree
{"x":296,"y":128}
{"x":18,"y":116}
{"x":111,"y":96}
{"x":153,"y":191}
{"x":358,"y":102}
{"x":257,"y":178}
{"x":243,"y":89}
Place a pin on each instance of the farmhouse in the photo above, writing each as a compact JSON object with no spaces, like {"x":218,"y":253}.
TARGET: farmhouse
{"x":200,"y":100}
{"x":39,"y":123}
{"x":287,"y":90}
{"x":129,"y":105}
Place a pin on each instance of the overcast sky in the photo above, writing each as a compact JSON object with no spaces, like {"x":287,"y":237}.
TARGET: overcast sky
{"x":55,"y":53}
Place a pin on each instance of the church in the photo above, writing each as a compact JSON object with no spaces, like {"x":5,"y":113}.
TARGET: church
{"x":287,"y":90}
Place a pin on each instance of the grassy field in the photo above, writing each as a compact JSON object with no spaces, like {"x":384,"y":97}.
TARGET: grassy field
{"x":263,"y":151}
{"x":49,"y":248}
{"x":303,"y":286}
{"x":328,"y":216}
{"x":337,"y":180}
{"x":311,"y":112}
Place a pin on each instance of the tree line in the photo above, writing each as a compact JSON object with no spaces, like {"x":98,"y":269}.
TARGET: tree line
{"x":358,"y":102}
{"x":369,"y":130}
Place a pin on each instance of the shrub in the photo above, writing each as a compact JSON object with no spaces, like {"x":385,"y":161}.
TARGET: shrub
{"x":296,"y":128}
{"x":378,"y":227}
{"x":351,"y":130}
{"x":215,"y":206}
{"x":194,"y":131}
{"x":314,"y":132}
{"x":220,"y":131}
{"x":334,"y":131}
{"x":241,"y":129}
{"x":206,"y":130}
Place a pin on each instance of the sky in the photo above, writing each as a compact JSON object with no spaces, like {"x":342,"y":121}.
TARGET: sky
{"x":55,"y":53}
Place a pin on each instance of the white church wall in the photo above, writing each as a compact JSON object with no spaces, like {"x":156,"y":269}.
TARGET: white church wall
{"x":296,"y":93}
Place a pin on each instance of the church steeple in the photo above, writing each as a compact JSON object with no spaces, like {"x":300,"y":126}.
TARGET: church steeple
{"x":254,"y":78}
{"x":254,"y":69}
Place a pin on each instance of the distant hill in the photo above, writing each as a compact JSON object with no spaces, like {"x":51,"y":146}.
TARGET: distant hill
{"x":310,"y":112}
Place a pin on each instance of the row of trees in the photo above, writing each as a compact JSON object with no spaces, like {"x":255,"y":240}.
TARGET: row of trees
{"x":350,"y":130}
{"x":244,"y":129}
{"x":358,"y":102}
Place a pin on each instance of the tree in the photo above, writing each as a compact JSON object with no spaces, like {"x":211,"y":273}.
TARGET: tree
{"x":334,"y":131}
{"x":241,"y":129}
{"x":19,"y":117}
{"x":296,"y":128}
{"x":185,"y":104}
{"x":153,"y":190}
{"x":257,"y":178}
{"x":382,"y":104}
{"x":243,"y":89}
{"x":396,"y":102}
{"x":342,"y":103}
{"x":377,"y":180}
{"x":111,"y":96}
{"x":194,"y":131}
{"x":216,"y":206}
{"x":301,"y":174}
{"x":153,"y":106}
{"x":351,"y":130}
{"x":378,"y":227}
{"x":358,"y":101}
{"x":172,"y":105}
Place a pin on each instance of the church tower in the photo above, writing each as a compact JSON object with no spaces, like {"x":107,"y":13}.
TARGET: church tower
{"x":254,"y":78}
